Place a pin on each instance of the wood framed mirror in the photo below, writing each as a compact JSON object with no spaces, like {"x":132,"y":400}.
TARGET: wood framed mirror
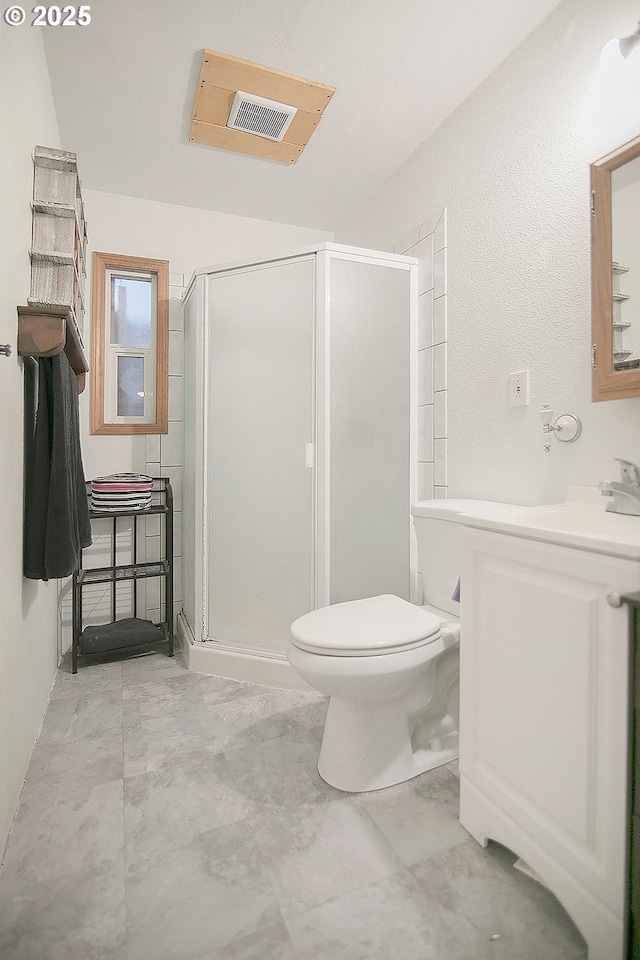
{"x":615,"y":273}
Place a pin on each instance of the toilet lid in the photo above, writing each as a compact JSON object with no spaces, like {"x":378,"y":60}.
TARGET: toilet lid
{"x":365,"y":627}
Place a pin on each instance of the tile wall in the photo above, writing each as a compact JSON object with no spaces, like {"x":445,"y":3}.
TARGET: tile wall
{"x":429,"y":244}
{"x":164,"y":459}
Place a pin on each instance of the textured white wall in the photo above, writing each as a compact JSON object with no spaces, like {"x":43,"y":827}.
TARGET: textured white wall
{"x":28,"y":647}
{"x":188,"y":238}
{"x":511,"y":166}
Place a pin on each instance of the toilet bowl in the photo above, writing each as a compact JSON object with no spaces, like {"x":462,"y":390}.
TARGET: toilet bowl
{"x":391,"y":674}
{"x":389,"y":667}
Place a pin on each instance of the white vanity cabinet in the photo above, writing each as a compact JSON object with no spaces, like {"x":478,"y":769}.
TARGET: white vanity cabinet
{"x":544,"y":665}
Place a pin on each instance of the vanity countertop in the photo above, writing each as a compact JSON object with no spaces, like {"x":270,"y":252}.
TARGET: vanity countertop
{"x":581,"y":522}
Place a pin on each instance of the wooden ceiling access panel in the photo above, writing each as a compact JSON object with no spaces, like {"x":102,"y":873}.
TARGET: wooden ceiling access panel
{"x":221,"y":76}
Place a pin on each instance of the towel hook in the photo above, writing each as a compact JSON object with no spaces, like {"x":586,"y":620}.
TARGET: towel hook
{"x":5,"y":348}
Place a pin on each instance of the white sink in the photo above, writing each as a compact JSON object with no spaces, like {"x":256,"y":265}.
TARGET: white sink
{"x":581,"y":521}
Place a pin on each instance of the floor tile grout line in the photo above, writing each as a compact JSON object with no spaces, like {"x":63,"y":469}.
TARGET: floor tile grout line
{"x":349,"y":893}
{"x":125,"y":852}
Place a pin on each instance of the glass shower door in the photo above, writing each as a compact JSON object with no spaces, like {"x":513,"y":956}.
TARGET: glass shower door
{"x":369,"y":429}
{"x":260,"y":413}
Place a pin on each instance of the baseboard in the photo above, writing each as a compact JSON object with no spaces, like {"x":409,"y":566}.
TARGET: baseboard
{"x":211,"y":658}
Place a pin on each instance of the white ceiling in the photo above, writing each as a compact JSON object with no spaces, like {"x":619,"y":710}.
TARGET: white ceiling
{"x":124,"y":89}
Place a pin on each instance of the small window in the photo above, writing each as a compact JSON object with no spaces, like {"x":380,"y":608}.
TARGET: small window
{"x":130,"y":331}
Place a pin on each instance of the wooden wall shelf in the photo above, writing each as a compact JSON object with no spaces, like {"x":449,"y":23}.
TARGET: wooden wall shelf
{"x":47,"y":331}
{"x":53,"y":321}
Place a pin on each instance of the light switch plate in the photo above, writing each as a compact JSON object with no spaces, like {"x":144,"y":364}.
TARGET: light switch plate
{"x":519,"y":388}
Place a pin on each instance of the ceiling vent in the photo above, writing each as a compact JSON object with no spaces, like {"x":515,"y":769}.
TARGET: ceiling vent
{"x":262,"y":117}
{"x":248,"y":108}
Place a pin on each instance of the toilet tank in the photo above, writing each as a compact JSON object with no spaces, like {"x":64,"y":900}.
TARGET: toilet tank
{"x":439,"y":533}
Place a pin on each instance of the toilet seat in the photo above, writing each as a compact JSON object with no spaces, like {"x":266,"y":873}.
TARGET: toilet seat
{"x":449,"y":623}
{"x":365,"y":628}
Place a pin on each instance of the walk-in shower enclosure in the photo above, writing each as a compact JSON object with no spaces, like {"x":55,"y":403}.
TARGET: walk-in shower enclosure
{"x":299,"y":440}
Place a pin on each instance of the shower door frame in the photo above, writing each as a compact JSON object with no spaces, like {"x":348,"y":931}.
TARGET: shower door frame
{"x":198,"y":289}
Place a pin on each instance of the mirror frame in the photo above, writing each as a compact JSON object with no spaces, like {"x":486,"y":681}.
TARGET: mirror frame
{"x":607,"y":383}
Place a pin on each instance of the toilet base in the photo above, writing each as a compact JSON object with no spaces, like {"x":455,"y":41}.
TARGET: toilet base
{"x":368,"y":747}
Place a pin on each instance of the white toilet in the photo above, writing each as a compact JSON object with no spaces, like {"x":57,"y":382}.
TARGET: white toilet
{"x":390,"y":667}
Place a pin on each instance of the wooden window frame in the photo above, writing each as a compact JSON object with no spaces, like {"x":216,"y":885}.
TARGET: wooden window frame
{"x":102,"y":262}
{"x":607,"y":382}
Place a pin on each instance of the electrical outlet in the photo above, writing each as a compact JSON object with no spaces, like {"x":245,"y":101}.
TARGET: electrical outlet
{"x":519,"y":388}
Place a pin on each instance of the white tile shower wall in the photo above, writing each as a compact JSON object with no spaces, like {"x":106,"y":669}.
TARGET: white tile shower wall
{"x":429,"y":244}
{"x":164,"y":459}
{"x":425,"y":320}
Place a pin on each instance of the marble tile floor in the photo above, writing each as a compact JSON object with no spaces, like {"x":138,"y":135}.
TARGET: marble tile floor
{"x":172,"y":816}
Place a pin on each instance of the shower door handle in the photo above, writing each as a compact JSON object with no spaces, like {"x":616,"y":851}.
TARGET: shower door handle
{"x":309,"y":455}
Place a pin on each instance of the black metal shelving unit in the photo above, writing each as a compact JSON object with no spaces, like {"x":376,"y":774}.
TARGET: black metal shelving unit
{"x":117,"y":573}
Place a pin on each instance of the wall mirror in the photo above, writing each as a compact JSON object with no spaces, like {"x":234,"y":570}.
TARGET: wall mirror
{"x":615,"y":273}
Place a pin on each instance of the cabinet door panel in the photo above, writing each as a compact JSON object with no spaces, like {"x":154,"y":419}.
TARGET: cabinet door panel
{"x":539,"y":670}
{"x":544,"y":667}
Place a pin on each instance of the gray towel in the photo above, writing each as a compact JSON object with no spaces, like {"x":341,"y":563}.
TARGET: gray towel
{"x":56,"y":510}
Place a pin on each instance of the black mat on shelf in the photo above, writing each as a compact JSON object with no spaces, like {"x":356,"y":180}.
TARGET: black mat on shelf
{"x":123,"y":633}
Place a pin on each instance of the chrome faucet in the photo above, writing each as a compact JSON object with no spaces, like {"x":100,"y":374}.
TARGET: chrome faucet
{"x":625,"y":492}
